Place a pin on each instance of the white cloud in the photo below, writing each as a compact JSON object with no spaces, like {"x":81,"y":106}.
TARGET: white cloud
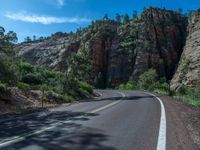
{"x":60,"y":3}
{"x":32,"y":18}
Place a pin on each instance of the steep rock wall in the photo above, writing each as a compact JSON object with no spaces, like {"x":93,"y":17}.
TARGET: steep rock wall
{"x":119,"y":52}
{"x":155,"y":40}
{"x":189,"y":64}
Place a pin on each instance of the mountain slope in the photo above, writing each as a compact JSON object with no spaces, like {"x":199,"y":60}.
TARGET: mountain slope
{"x":119,"y":52}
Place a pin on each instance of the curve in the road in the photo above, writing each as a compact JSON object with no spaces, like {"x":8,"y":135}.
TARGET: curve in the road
{"x":161,"y":142}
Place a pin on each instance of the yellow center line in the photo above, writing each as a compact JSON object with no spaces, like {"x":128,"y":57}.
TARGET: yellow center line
{"x":12,"y":140}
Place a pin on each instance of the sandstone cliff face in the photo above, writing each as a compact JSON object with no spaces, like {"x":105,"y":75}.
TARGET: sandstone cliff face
{"x":189,"y":65}
{"x":119,"y":53}
{"x":154,"y":41}
{"x":162,"y":38}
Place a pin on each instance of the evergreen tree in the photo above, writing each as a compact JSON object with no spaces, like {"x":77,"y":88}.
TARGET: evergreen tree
{"x":8,"y":60}
{"x":118,"y":19}
{"x":180,"y":10}
{"x":126,"y":19}
{"x":105,"y":18}
{"x":34,"y":38}
{"x":27,"y":39}
{"x":79,"y":69}
{"x":135,"y":15}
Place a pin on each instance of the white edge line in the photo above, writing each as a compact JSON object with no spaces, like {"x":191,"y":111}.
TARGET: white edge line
{"x":161,"y":143}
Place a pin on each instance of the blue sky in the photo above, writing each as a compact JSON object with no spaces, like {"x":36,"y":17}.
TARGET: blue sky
{"x":44,"y":17}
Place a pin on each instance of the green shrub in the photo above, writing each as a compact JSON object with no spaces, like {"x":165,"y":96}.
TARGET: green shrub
{"x":9,"y":72}
{"x":127,"y":86}
{"x":86,"y":87}
{"x":26,"y":68}
{"x":8,"y":60}
{"x":50,"y":95}
{"x":197,"y":89}
{"x":45,"y":72}
{"x":33,"y":78}
{"x":159,"y":86}
{"x":182,"y":89}
{"x":147,"y":79}
{"x":73,"y":93}
{"x":121,"y":86}
{"x":23,"y":86}
{"x":68,"y":99}
{"x":35,"y":87}
{"x":4,"y":91}
{"x":83,"y":93}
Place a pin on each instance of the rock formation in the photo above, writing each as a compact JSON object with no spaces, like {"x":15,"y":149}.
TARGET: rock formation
{"x":119,"y":52}
{"x":189,"y":64}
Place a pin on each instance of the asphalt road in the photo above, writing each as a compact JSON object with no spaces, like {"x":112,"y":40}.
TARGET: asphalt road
{"x":118,"y":120}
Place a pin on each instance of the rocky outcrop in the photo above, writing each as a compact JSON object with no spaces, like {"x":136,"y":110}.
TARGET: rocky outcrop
{"x":162,"y":38}
{"x":51,"y":52}
{"x":119,"y":52}
{"x":189,"y":64}
{"x":155,"y":40}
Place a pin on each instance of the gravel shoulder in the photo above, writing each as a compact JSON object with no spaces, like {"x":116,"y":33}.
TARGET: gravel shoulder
{"x":183,"y":125}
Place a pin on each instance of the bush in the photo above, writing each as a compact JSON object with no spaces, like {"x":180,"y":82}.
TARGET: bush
{"x":50,"y":95}
{"x":26,"y":68}
{"x":33,"y":78}
{"x":68,"y":99}
{"x":147,"y":79}
{"x":83,"y":93}
{"x":158,"y":85}
{"x":127,"y":86}
{"x":4,"y":91}
{"x":9,"y":71}
{"x":182,"y":89}
{"x":86,"y":87}
{"x":45,"y":72}
{"x":197,"y":89}
{"x":73,"y":93}
{"x":23,"y":86}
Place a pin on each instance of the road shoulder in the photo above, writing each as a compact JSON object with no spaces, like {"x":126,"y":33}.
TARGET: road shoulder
{"x":183,"y":122}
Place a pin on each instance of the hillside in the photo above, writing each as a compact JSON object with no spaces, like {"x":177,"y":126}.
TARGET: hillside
{"x":120,"y":51}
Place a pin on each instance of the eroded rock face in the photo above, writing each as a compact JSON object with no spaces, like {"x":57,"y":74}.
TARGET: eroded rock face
{"x":119,"y":53}
{"x":189,"y":64}
{"x":158,"y":39}
{"x":51,"y":52}
{"x":161,"y":39}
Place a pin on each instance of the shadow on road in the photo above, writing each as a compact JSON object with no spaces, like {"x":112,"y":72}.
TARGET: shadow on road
{"x":20,"y":126}
{"x":118,"y":98}
{"x":72,"y":136}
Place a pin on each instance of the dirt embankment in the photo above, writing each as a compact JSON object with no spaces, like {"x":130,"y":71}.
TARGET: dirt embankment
{"x":19,"y":101}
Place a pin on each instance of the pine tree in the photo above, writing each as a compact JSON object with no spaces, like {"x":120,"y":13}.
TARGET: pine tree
{"x":105,"y":18}
{"x":8,"y":60}
{"x":118,"y":19}
{"x":126,"y":19}
{"x":135,"y":15}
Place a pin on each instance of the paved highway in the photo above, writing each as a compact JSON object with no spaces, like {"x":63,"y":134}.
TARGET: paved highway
{"x":117,"y":120}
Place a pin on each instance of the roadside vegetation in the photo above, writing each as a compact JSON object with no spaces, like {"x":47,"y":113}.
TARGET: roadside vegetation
{"x":149,"y":81}
{"x":18,"y":76}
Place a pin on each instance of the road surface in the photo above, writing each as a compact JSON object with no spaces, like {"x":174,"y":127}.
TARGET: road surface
{"x":117,"y":120}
